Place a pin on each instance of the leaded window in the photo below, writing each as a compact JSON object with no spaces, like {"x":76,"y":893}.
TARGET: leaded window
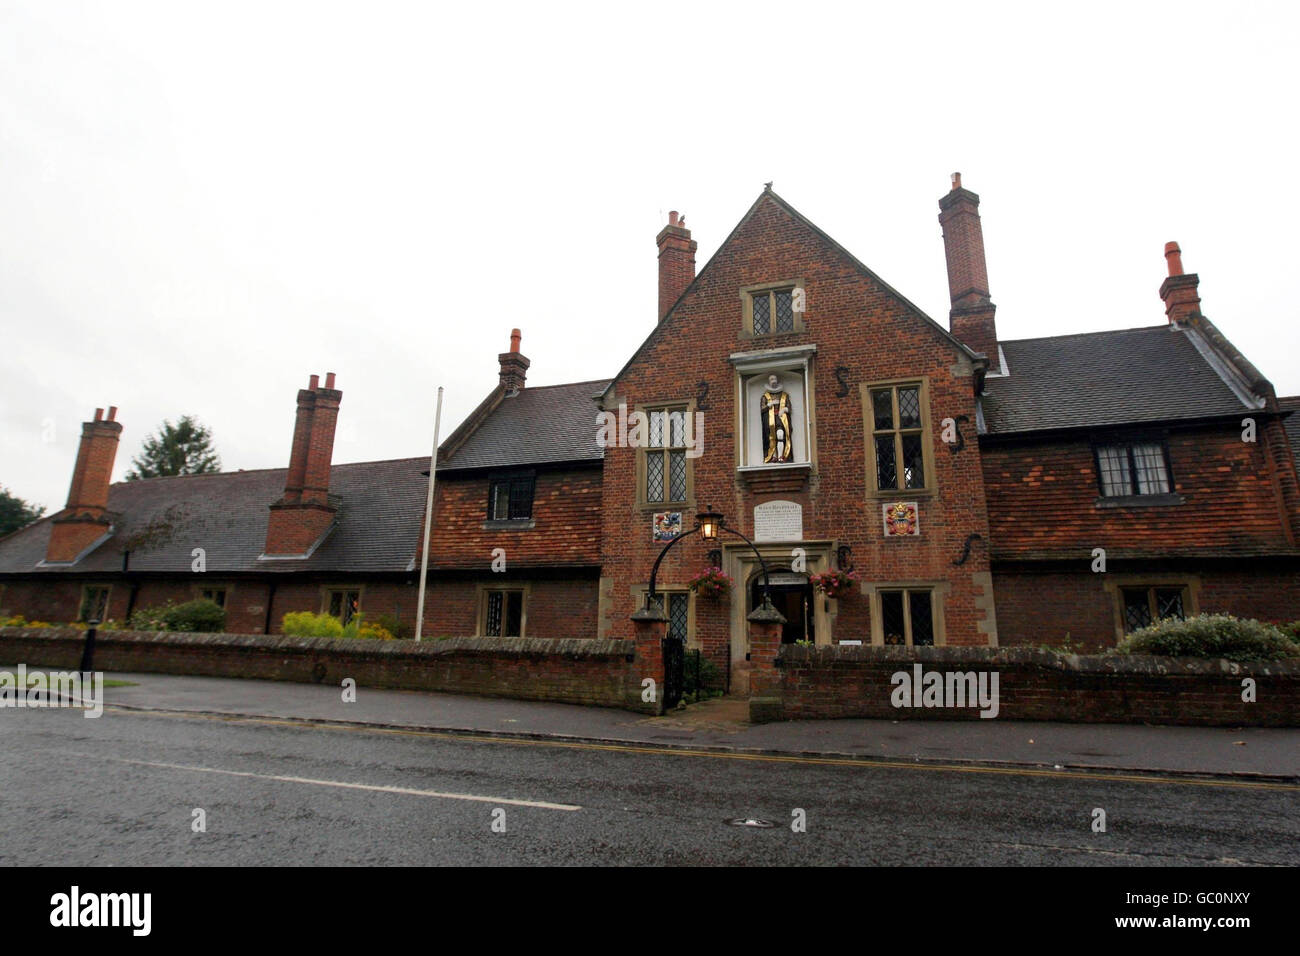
{"x":907,"y":617}
{"x":676,"y":604}
{"x":503,"y":614}
{"x":762,"y":314}
{"x":510,"y":498}
{"x":94,"y":603}
{"x":784,"y":310}
{"x":773,"y":311}
{"x":1146,"y":605}
{"x":898,"y":437}
{"x":344,"y":604}
{"x":1136,"y":468}
{"x":665,"y":460}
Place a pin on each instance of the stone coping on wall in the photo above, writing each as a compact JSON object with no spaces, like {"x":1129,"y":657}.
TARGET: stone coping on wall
{"x":1140,"y":664}
{"x":571,"y":647}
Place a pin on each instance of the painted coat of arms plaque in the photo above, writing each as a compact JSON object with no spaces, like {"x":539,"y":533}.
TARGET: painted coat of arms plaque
{"x":902,"y":519}
{"x":667,"y":525}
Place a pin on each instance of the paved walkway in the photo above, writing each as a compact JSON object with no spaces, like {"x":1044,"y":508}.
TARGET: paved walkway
{"x":721,"y":723}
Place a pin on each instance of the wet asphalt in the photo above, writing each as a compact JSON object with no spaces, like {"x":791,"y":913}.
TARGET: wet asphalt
{"x":124,"y":789}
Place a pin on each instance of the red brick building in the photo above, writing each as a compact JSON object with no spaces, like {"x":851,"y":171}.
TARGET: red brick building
{"x":982,"y":491}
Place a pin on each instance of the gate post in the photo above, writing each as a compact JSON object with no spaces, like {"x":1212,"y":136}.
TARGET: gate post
{"x":765,"y":704}
{"x":650,"y":627}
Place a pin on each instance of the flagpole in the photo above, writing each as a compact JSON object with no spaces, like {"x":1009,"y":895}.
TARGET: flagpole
{"x":428,"y":518}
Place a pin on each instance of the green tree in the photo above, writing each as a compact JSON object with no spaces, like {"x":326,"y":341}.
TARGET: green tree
{"x":181,"y":449}
{"x":16,"y":513}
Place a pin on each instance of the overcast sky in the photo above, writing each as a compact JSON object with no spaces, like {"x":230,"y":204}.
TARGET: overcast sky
{"x":201,"y":204}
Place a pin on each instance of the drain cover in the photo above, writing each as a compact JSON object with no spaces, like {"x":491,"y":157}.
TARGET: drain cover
{"x":752,"y":822}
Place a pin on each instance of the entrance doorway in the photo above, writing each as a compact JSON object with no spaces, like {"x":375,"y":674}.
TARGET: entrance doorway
{"x":792,"y":595}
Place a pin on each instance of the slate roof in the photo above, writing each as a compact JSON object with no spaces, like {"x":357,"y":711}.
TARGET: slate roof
{"x":1104,"y":378}
{"x":546,"y":424}
{"x":379,"y":523}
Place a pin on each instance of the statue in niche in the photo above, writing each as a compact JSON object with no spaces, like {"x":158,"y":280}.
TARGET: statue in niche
{"x":774,"y":410}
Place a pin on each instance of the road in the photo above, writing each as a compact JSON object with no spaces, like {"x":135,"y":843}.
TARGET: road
{"x":122,"y":790}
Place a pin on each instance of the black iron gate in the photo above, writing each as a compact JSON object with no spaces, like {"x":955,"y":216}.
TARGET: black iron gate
{"x":674,"y":670}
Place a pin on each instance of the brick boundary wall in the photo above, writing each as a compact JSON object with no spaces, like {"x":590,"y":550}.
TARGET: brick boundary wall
{"x":840,"y":681}
{"x":569,"y":670}
{"x":812,"y":682}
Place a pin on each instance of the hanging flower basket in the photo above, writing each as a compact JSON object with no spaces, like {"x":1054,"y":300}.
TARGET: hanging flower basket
{"x":711,"y":582}
{"x":834,"y":583}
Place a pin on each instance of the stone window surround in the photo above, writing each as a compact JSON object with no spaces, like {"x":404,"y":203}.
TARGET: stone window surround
{"x":327,"y":589}
{"x":938,"y":588}
{"x":480,"y":605}
{"x":198,"y":588}
{"x":106,"y":587}
{"x":639,"y":593}
{"x":1114,"y":585}
{"x":686,"y":507}
{"x":747,"y":294}
{"x":931,"y":488}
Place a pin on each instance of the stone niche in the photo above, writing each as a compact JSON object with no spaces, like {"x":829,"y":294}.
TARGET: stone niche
{"x":754,"y":371}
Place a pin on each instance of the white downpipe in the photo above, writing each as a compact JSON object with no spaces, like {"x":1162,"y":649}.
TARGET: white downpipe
{"x":428,"y":518}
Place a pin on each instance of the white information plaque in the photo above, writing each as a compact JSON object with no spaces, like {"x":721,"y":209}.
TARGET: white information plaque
{"x":778,"y":521}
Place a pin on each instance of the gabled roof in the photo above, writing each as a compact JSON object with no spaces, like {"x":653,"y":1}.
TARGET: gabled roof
{"x":1160,"y":373}
{"x":379,"y":522}
{"x":543,"y":425}
{"x":768,"y":194}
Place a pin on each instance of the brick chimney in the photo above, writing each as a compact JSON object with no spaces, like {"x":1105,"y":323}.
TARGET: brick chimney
{"x":85,"y":519}
{"x":971,"y":317}
{"x":514,"y":367}
{"x":676,"y":261}
{"x":301,"y":440}
{"x":1179,"y":290}
{"x":304,"y":514}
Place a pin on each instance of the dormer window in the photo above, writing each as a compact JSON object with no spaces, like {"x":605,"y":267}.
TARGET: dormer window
{"x":510,"y":498}
{"x":1133,"y":468}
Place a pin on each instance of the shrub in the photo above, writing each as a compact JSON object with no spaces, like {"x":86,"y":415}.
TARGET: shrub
{"x":1067,"y":646}
{"x":150,"y":618}
{"x":375,"y":632}
{"x":394,"y":626}
{"x":201,"y":615}
{"x":709,"y":677}
{"x":1211,"y":635}
{"x":19,"y":621}
{"x":307,"y":624}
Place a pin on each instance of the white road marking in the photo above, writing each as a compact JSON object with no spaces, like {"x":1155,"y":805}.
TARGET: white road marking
{"x":540,"y":804}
